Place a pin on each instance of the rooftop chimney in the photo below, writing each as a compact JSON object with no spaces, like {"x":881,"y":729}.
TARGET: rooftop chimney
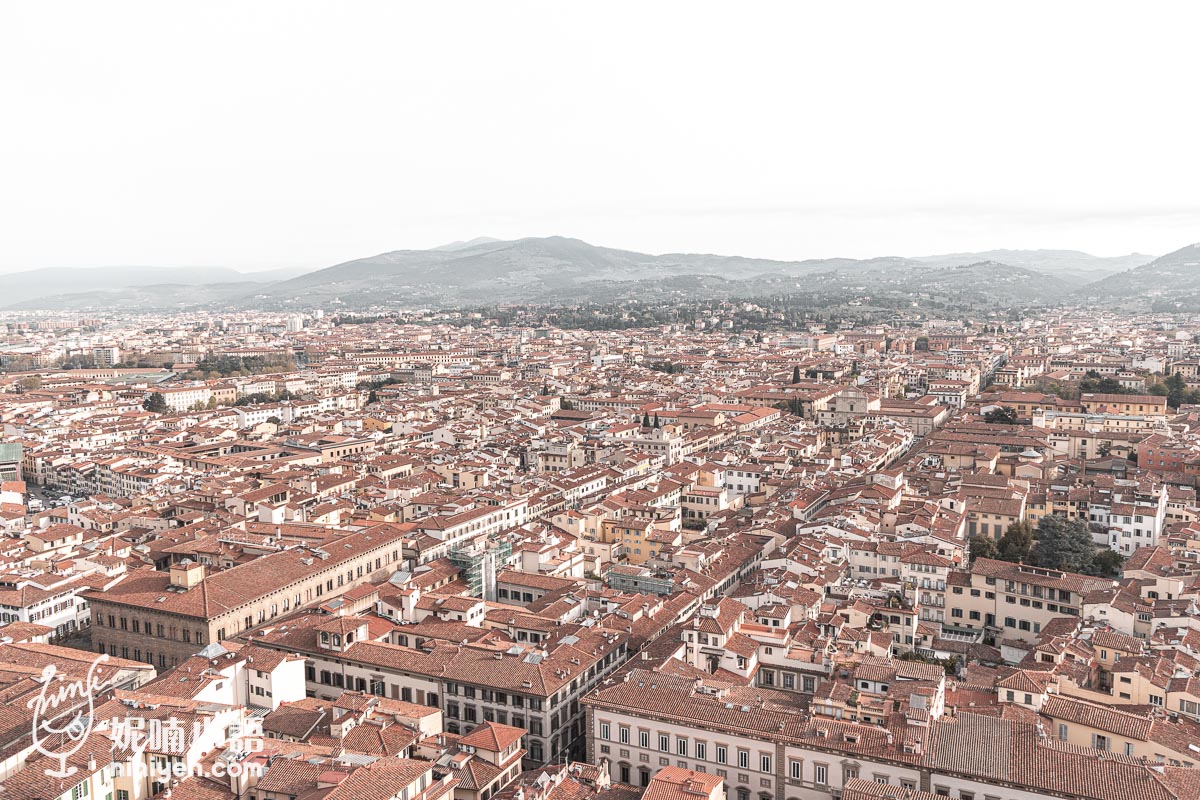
{"x":187,"y":574}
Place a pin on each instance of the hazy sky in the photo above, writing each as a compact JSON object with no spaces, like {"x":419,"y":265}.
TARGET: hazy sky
{"x":260,"y":134}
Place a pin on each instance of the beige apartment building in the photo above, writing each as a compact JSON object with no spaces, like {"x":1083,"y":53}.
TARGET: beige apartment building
{"x":1103,"y":727}
{"x":1015,"y":601}
{"x":1095,"y":403}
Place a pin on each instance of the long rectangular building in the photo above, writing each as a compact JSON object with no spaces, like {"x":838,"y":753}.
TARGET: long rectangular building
{"x":538,"y":687}
{"x":765,"y":745}
{"x":163,"y":618}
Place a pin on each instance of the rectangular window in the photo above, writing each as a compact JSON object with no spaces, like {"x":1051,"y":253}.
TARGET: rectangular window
{"x":701,"y":751}
{"x":764,"y":763}
{"x":664,"y":743}
{"x":722,"y":754}
{"x":681,"y":747}
{"x":820,"y":774}
{"x":604,"y":733}
{"x":644,"y":739}
{"x":797,"y":766}
{"x":744,"y":759}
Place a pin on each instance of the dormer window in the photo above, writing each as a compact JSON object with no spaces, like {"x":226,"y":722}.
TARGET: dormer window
{"x":337,"y":640}
{"x":324,"y":638}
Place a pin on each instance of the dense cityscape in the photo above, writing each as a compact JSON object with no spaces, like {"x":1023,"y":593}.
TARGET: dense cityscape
{"x":518,"y":400}
{"x":485,"y":554}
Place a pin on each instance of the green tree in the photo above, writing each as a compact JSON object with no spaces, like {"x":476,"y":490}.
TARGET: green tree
{"x":796,"y":374}
{"x":30,"y":382}
{"x":645,"y":419}
{"x":983,"y":547}
{"x":155,"y":402}
{"x":1016,"y":542}
{"x":1063,"y":544}
{"x":254,"y":399}
{"x":1005,"y":415}
{"x":793,"y":406}
{"x":657,"y":424}
{"x":275,"y":420}
{"x":1177,"y":391}
{"x":1106,"y":564}
{"x":372,"y":397}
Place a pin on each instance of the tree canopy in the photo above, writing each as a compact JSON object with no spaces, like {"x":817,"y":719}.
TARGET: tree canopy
{"x":1016,"y":542}
{"x":1005,"y":415}
{"x":983,"y":547}
{"x":1057,"y":543}
{"x":1063,"y":544}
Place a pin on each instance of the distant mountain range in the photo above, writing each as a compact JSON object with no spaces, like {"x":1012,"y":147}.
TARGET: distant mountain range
{"x":562,"y":270}
{"x":1172,"y":281}
{"x":20,"y":288}
{"x":1071,"y":266}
